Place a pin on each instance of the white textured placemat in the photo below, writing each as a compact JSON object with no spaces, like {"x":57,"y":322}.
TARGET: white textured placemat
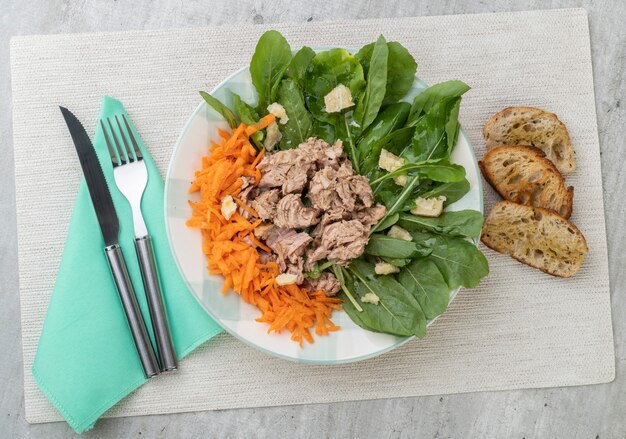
{"x":519,"y":329}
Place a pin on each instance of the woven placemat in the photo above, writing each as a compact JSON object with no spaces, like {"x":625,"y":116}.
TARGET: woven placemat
{"x":519,"y":329}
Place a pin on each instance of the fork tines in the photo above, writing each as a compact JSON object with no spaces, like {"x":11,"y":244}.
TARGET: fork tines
{"x":121,"y":155}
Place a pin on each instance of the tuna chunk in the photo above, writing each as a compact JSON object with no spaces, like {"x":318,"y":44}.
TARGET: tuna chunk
{"x":265,"y":203}
{"x":291,"y":213}
{"x":371,"y":215}
{"x":288,"y":244}
{"x":322,"y":193}
{"x":297,"y":269}
{"x":326,"y":283}
{"x":340,"y":242}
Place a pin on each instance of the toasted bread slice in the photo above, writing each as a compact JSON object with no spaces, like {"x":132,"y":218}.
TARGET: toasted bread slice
{"x":534,"y":127}
{"x":535,"y":236}
{"x":523,"y":175}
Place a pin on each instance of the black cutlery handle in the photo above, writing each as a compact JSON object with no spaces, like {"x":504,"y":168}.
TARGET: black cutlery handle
{"x":131,"y":309}
{"x":158,"y":313}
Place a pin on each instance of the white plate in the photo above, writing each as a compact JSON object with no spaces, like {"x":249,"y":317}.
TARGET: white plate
{"x":351,"y":343}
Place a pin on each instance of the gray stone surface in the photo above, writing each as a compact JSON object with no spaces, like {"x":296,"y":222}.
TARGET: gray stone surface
{"x":575,"y":412}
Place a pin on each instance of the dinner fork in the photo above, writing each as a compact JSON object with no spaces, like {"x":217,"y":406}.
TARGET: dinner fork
{"x":131,"y":177}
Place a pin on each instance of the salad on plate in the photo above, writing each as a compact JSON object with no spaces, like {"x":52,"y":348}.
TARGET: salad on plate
{"x":330,"y":192}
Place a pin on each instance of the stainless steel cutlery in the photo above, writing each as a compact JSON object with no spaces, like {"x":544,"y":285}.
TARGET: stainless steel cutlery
{"x":131,"y":178}
{"x":110,"y":228}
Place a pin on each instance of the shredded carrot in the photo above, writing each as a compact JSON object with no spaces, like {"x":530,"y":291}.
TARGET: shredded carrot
{"x":231,"y":247}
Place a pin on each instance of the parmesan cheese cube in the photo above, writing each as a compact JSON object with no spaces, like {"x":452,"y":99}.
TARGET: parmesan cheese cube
{"x":390,"y":162}
{"x":370,"y":298}
{"x":400,"y":180}
{"x":279,"y":111}
{"x":272,"y":136}
{"x":398,"y":232}
{"x":228,"y":207}
{"x":385,"y":268}
{"x":338,"y":99}
{"x":286,"y":279}
{"x":431,"y":207}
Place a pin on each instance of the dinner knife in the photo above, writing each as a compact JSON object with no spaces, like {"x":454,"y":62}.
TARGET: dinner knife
{"x":110,"y":226}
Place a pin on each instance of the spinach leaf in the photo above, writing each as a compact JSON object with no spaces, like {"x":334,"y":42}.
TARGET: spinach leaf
{"x":221,"y":109}
{"x":267,"y":67}
{"x":401,"y":68}
{"x":298,"y":128}
{"x":249,"y":116}
{"x":325,"y":72}
{"x":397,"y":262}
{"x":431,"y":139}
{"x":424,"y":101}
{"x":299,"y":63}
{"x":460,"y":261}
{"x":368,"y":107}
{"x":323,"y":130}
{"x":388,"y":247}
{"x":398,"y":312}
{"x":452,"y":191}
{"x":425,"y":281}
{"x":400,"y":73}
{"x":465,"y":223}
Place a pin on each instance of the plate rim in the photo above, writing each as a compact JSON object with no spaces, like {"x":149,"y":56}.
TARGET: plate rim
{"x":401,"y":340}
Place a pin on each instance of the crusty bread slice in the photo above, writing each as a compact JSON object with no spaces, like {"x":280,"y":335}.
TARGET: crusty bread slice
{"x":535,"y":236}
{"x":523,"y":175}
{"x":534,"y":127}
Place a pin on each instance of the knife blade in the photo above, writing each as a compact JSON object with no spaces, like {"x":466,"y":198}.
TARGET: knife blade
{"x":94,"y":176}
{"x":110,"y":227}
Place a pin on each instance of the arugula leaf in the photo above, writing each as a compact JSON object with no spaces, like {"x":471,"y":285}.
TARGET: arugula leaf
{"x":325,"y":72}
{"x":249,"y":116}
{"x":388,"y":222}
{"x":424,"y":101}
{"x":401,"y":68}
{"x":394,"y":142}
{"x":299,"y":63}
{"x":347,"y":130}
{"x":460,"y":261}
{"x":388,"y":247}
{"x":431,"y":139}
{"x":268,"y":65}
{"x":398,"y":312}
{"x":453,"y":191}
{"x":367,"y":108}
{"x":396,"y":202}
{"x":425,"y":281}
{"x":221,"y":109}
{"x":388,"y":121}
{"x":298,"y":128}
{"x":465,"y":223}
{"x":436,"y":170}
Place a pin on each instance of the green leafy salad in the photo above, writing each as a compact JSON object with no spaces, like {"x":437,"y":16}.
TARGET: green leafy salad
{"x":417,"y":253}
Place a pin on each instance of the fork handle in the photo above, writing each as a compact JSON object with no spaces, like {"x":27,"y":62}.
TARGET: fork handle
{"x":158,"y":313}
{"x":131,"y":309}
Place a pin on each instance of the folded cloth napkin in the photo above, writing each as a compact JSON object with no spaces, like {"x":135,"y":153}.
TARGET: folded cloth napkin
{"x":86,"y":360}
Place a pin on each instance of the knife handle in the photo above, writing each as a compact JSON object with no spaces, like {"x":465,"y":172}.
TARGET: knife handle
{"x":131,"y":309}
{"x":158,"y":313}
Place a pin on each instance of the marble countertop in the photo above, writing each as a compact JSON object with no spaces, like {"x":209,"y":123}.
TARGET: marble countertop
{"x":574,"y":412}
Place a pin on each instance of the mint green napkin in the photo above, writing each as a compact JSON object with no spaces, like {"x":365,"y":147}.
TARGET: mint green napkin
{"x":86,"y":360}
